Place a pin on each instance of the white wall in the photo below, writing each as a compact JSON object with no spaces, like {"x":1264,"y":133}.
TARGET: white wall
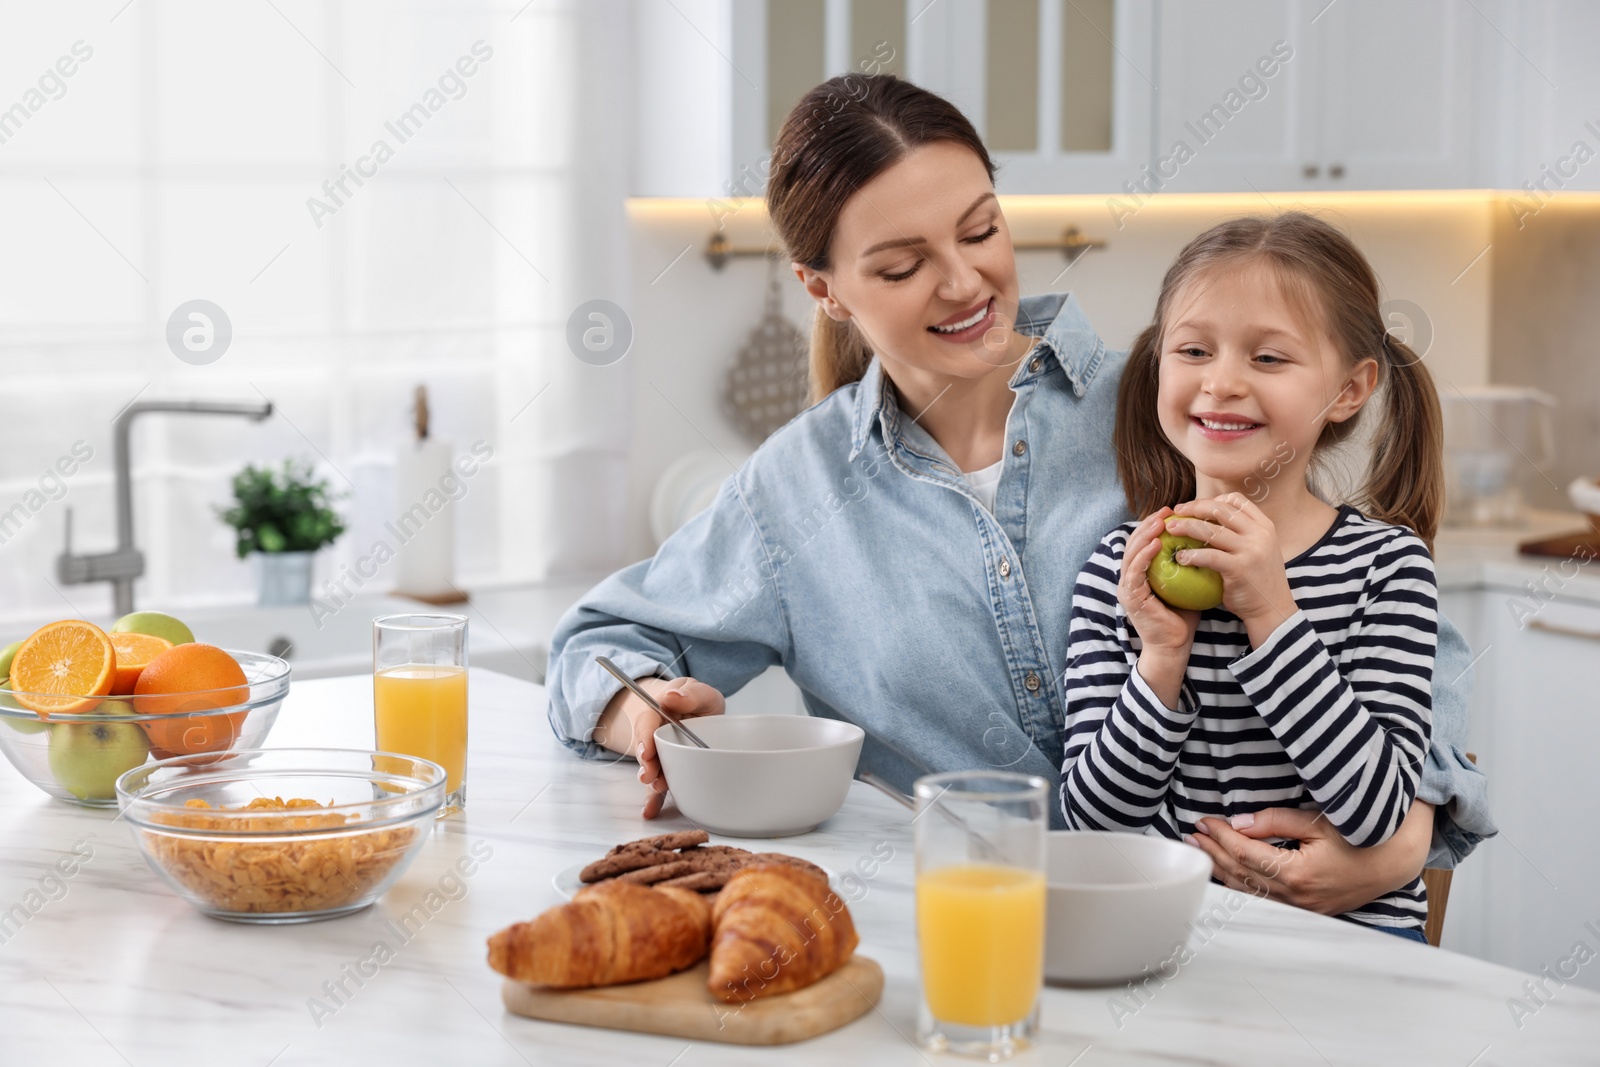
{"x":691,"y":319}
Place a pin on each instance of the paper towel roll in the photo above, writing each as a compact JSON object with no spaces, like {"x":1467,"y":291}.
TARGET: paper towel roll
{"x":423,"y":530}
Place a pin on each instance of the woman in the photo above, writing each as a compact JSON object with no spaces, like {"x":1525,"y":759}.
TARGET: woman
{"x":906,"y":548}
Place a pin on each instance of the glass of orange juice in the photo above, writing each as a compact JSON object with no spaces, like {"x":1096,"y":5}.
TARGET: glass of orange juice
{"x":980,"y":845}
{"x":419,"y":693}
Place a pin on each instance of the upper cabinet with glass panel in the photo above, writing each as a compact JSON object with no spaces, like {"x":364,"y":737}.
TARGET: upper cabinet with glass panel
{"x":1139,"y":96}
{"x":1060,"y":90}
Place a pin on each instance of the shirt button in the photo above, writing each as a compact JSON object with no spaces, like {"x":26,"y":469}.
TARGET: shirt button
{"x":1019,"y":448}
{"x":1034,"y":364}
{"x":1032,"y":682}
{"x":1005,"y":568}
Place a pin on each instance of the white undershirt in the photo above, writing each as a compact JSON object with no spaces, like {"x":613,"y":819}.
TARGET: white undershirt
{"x":983,"y":483}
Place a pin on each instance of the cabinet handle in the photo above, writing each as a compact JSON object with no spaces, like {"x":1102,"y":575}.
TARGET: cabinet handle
{"x":1310,"y":170}
{"x":1565,"y":631}
{"x":1336,"y":171}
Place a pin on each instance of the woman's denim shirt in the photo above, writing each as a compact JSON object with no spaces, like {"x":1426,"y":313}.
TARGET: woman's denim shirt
{"x":849,"y":549}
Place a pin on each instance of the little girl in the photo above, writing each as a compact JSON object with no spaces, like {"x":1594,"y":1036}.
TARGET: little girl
{"x":1310,"y":685}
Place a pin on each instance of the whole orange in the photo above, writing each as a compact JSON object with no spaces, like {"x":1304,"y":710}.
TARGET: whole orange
{"x":186,"y":682}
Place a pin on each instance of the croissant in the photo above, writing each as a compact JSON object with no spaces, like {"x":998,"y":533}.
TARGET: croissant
{"x":778,"y":928}
{"x":607,"y":934}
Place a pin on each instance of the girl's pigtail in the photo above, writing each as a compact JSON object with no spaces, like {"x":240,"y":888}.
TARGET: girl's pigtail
{"x":1154,"y":474}
{"x":1405,"y":480}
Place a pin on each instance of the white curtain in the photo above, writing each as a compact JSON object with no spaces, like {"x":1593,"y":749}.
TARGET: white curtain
{"x":192,"y":156}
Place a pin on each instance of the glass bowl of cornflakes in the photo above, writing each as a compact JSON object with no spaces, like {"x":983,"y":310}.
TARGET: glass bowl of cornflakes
{"x":282,"y":835}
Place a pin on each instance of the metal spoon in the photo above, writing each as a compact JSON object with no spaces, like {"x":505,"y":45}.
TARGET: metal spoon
{"x":650,"y":701}
{"x":909,"y":803}
{"x":985,"y":846}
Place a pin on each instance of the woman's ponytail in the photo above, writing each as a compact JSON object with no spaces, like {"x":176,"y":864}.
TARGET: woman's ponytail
{"x":839,"y":356}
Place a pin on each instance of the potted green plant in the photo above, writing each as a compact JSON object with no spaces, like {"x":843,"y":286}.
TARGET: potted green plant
{"x":281,"y":517}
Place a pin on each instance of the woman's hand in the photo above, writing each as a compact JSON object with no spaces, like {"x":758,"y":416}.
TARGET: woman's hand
{"x":1326,"y":874}
{"x":628,"y":726}
{"x":1165,"y":633}
{"x":1242,"y":547}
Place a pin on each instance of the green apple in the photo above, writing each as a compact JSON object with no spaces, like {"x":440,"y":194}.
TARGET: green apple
{"x":31,"y":725}
{"x":156,"y":624}
{"x":89,"y":752}
{"x":8,"y":654}
{"x":1183,"y":587}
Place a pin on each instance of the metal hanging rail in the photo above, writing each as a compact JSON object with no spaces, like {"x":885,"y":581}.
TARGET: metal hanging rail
{"x":1071,"y":245}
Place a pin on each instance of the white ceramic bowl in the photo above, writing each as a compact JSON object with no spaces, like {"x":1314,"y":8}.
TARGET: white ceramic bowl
{"x":1118,"y":903}
{"x":764,"y":775}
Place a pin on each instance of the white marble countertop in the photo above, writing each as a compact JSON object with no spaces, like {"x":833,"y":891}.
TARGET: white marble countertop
{"x":1469,"y":559}
{"x":118,"y":970}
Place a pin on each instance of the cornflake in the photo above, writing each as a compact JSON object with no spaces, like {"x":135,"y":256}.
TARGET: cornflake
{"x":314,"y":873}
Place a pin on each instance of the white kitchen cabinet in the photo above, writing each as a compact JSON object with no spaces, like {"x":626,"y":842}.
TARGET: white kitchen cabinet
{"x":1395,"y":89}
{"x":1237,"y":96}
{"x":1523,"y":897}
{"x":714,"y":80}
{"x":1539,"y":57}
{"x":1361,"y":94}
{"x":1367,"y":94}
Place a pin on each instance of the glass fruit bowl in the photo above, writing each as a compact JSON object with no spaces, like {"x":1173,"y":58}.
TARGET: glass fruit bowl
{"x":282,"y":835}
{"x":78,"y":755}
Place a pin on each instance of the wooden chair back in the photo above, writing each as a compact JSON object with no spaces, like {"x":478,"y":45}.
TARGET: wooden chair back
{"x":1437,"y":882}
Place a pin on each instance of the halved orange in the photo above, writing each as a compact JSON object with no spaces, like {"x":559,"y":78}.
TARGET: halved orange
{"x":134,"y":653}
{"x":62,"y":668}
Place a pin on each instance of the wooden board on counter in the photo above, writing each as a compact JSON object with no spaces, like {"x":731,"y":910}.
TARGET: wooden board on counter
{"x":1584,"y":545}
{"x":681,"y":1006}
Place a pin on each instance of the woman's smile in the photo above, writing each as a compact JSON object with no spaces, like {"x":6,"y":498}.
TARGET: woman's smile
{"x":967,"y":326}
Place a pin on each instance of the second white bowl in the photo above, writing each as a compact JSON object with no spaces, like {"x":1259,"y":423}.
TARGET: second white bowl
{"x":764,"y":775}
{"x":1118,"y":903}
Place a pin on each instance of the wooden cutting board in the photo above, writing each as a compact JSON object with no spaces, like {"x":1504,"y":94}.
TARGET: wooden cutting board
{"x":1567,"y":546}
{"x":681,"y":1006}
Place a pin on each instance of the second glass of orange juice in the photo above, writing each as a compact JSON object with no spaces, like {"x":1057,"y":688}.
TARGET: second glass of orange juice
{"x":980,"y":838}
{"x":419,"y":693}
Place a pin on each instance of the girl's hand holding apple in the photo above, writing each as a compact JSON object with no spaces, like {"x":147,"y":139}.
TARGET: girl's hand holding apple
{"x":1242,"y":546}
{"x":1165,"y":634}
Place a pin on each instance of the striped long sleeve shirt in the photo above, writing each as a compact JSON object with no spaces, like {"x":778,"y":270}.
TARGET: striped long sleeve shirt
{"x":1331,"y":712}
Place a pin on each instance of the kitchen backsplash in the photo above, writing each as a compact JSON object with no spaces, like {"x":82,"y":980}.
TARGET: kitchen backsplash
{"x":1545,"y":326}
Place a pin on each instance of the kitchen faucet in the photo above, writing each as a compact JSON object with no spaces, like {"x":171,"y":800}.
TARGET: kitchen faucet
{"x":122,"y":566}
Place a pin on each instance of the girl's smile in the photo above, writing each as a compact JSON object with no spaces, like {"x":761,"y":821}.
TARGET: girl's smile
{"x":1216,"y":426}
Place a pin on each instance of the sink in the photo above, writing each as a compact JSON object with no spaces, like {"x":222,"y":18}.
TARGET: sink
{"x":336,"y":643}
